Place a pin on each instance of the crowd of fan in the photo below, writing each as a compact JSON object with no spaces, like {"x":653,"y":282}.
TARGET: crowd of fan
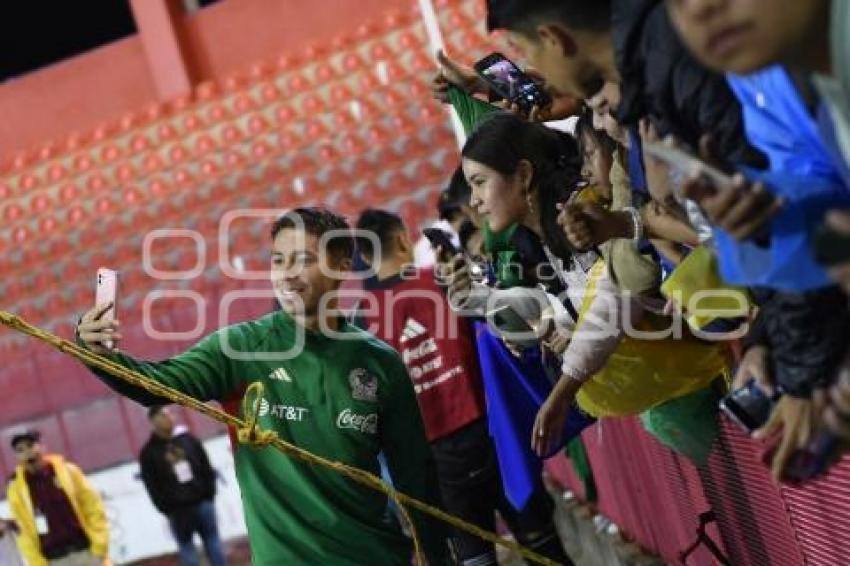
{"x":600,"y":244}
{"x":672,"y":229}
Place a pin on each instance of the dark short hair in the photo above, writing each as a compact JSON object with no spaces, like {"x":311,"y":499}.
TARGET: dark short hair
{"x":585,"y":127}
{"x":385,"y":225}
{"x":154,"y":410}
{"x":318,"y":222}
{"x":32,"y":436}
{"x":524,"y":16}
{"x":466,"y":232}
{"x":454,"y":196}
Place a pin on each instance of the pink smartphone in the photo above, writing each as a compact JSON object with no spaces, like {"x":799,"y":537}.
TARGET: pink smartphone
{"x":107,"y":292}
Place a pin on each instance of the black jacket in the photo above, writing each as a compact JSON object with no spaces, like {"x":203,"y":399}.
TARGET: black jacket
{"x":158,"y":460}
{"x":661,"y":80}
{"x":807,"y":334}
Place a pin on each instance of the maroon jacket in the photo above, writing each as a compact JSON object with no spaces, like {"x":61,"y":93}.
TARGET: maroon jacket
{"x":413,"y":315}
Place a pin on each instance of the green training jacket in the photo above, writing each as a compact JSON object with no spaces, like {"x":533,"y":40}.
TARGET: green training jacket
{"x":345,"y":398}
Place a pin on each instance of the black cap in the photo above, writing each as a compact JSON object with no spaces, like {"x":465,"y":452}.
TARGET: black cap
{"x":32,"y":436}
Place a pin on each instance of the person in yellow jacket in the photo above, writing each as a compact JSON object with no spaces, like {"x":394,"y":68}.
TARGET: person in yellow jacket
{"x":61,"y":517}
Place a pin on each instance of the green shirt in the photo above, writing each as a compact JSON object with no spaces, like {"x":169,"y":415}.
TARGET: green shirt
{"x":347,"y":399}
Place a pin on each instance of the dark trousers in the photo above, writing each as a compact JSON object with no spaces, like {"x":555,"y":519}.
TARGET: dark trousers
{"x":199,"y":519}
{"x":471,"y":486}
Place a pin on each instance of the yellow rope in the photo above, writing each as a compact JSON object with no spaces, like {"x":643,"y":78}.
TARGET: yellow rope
{"x":249,"y":433}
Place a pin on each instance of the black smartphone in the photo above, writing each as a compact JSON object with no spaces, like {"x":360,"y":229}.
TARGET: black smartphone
{"x":748,"y":407}
{"x":441,"y":239}
{"x":831,"y":247}
{"x":509,"y":82}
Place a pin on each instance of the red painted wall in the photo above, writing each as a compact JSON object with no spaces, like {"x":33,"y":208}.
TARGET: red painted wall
{"x":226,"y":36}
{"x":107,"y":82}
{"x":74,"y":94}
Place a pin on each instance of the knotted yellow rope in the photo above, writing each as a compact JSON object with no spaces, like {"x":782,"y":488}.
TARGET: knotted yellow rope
{"x":248,"y":432}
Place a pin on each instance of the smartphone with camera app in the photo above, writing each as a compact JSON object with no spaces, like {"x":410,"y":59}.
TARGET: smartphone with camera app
{"x":441,"y":239}
{"x":511,"y":83}
{"x":687,"y":164}
{"x":107,"y":292}
{"x":748,"y":407}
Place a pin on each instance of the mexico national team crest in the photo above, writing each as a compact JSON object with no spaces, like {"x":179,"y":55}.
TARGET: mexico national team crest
{"x":364,"y":385}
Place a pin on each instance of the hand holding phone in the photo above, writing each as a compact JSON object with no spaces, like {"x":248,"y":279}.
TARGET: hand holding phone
{"x":748,"y":407}
{"x":99,"y":326}
{"x":442,"y":240}
{"x":511,"y":83}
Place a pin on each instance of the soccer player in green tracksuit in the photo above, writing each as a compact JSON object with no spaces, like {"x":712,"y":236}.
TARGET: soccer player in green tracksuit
{"x":341,"y":394}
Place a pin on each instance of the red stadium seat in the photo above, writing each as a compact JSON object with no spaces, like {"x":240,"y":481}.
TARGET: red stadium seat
{"x":204,"y":144}
{"x":40,"y":203}
{"x":284,"y":114}
{"x":340,"y":94}
{"x":380,"y":51}
{"x":244,"y":103}
{"x":183,"y":177}
{"x":5,"y":191}
{"x":110,"y":152}
{"x":301,"y":164}
{"x":428,"y":173}
{"x":315,"y":129}
{"x":20,"y":234}
{"x":56,"y":173}
{"x":457,"y":19}
{"x":139,"y":143}
{"x":157,"y":187}
{"x":431,"y":113}
{"x":104,"y":205}
{"x":288,"y":140}
{"x":343,"y":120}
{"x":257,"y":124}
{"x":153,"y":163}
{"x":210,"y":169}
{"x":233,"y":159}
{"x":96,"y":183}
{"x":28,"y":182}
{"x":76,"y":215}
{"x":166,"y":132}
{"x":67,"y":193}
{"x":125,"y":173}
{"x":313,"y":105}
{"x":192,"y":122}
{"x":409,"y":41}
{"x":402,"y":123}
{"x":261,"y":149}
{"x":269,"y":92}
{"x":218,"y":113}
{"x":352,"y":144}
{"x":352,"y":63}
{"x":12,"y":212}
{"x":389,"y":157}
{"x":232,"y":134}
{"x":298,"y":83}
{"x":83,"y":163}
{"x":132,"y":197}
{"x":178,"y":153}
{"x":378,"y":135}
{"x":324,"y":73}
